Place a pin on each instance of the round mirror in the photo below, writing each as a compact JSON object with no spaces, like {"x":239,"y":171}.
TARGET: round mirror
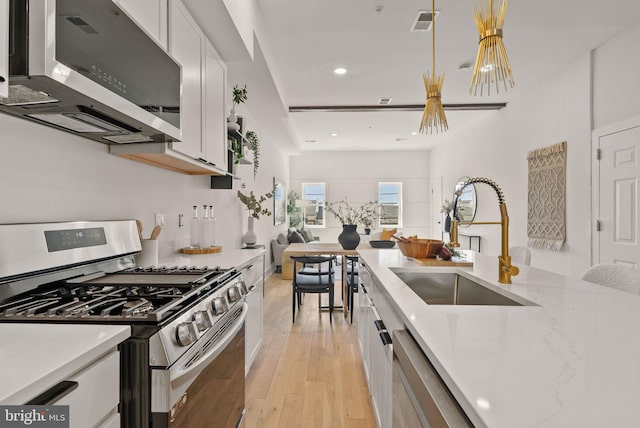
{"x":464,"y":206}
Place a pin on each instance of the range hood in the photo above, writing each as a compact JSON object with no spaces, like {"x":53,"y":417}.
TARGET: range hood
{"x":85,"y":67}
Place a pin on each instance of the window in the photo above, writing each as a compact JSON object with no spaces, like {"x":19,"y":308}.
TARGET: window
{"x":313,"y":211}
{"x":390,"y":198}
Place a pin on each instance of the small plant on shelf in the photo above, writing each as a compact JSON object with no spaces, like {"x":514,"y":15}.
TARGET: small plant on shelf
{"x":236,"y":148}
{"x":239,"y":95}
{"x":254,"y":146}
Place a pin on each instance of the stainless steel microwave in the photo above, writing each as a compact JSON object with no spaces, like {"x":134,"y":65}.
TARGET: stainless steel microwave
{"x":84,"y":66}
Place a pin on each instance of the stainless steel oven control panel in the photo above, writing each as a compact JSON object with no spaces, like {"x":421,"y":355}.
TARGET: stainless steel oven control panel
{"x":175,"y":338}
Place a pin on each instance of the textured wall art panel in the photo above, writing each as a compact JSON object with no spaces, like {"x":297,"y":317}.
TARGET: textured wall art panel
{"x":546,"y":220}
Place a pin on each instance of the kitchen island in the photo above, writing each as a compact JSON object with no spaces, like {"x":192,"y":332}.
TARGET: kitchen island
{"x":569,"y":358}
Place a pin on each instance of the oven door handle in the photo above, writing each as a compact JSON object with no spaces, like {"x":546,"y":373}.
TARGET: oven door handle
{"x":192,"y":371}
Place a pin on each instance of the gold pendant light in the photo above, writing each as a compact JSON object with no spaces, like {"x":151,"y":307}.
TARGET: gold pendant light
{"x":433,"y":116}
{"x":492,"y":64}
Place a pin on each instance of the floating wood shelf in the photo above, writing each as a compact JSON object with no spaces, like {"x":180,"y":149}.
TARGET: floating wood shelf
{"x":210,"y":250}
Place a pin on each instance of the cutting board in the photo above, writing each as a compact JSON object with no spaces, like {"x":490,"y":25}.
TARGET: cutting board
{"x":209,"y":250}
{"x":438,"y":262}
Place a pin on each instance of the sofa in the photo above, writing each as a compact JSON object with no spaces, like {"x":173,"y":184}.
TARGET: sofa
{"x":282,"y":241}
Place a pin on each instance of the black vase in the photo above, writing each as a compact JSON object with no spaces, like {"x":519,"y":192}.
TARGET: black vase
{"x":349,"y":238}
{"x":447,"y":223}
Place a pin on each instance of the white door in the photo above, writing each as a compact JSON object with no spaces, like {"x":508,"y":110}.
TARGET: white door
{"x":616,"y":201}
{"x":437,"y":219}
{"x":4,"y":48}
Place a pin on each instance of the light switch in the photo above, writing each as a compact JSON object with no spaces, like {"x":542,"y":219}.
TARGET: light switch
{"x":160,"y":219}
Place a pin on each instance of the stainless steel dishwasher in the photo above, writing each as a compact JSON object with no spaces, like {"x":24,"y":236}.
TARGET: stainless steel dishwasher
{"x":420,"y":398}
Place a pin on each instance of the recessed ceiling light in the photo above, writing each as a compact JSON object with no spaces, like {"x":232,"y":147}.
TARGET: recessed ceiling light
{"x":340,"y":70}
{"x":414,"y":133}
{"x":334,"y":135}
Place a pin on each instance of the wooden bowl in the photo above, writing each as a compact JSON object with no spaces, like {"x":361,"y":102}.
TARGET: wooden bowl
{"x":420,"y":248}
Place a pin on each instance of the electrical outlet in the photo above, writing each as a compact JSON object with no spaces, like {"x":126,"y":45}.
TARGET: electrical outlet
{"x":160,"y":219}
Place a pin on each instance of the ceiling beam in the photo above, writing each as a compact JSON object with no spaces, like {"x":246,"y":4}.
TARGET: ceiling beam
{"x":403,"y":107}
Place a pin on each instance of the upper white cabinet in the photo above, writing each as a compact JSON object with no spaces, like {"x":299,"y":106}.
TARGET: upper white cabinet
{"x":213,"y":118}
{"x":4,"y":48}
{"x":186,"y":45}
{"x":150,"y":15}
{"x":202,"y":149}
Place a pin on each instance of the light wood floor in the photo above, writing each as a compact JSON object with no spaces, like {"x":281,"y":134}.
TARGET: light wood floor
{"x":307,"y":374}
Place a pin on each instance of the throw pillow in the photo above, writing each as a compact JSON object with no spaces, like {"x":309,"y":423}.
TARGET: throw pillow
{"x":295,"y":238}
{"x":306,"y":234}
{"x":387,"y":234}
{"x":282,"y":239}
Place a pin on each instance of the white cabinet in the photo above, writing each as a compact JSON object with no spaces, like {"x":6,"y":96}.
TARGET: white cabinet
{"x":186,"y":45}
{"x":92,"y":393}
{"x":202,"y":149}
{"x":95,"y":400}
{"x":4,"y":48}
{"x":150,"y":15}
{"x":375,"y":324}
{"x":213,"y":120}
{"x":253,"y":275}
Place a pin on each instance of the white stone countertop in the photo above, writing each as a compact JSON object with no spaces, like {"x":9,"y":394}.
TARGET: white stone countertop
{"x":35,"y":357}
{"x":570,"y":360}
{"x":225,"y":259}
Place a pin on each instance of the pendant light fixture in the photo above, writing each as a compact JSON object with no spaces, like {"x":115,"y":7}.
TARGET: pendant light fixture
{"x":492,"y":64}
{"x":433,"y":116}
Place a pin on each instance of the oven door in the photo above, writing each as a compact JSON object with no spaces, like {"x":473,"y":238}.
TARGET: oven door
{"x":205,"y":387}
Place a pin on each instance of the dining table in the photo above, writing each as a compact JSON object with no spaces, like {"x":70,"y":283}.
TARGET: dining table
{"x":316,"y":248}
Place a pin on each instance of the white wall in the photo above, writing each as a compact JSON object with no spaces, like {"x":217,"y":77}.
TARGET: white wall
{"x":48,"y":175}
{"x":616,"y":89}
{"x":557,"y":110}
{"x":355,"y":175}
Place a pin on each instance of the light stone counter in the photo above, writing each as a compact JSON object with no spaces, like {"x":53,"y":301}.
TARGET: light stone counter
{"x":34,"y":357}
{"x":570,"y":360}
{"x":225,"y":259}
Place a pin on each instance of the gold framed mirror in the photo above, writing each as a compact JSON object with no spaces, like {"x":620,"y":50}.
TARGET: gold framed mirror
{"x":465,"y":204}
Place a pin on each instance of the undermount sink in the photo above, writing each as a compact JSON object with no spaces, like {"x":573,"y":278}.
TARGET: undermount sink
{"x":453,"y":289}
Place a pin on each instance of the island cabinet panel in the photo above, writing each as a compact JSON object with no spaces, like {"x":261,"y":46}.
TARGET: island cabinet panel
{"x":376,"y":321}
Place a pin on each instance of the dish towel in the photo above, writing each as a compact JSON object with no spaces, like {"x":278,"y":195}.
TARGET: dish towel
{"x":546,"y":226}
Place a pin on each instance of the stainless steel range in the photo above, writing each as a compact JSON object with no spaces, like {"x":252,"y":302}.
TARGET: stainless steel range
{"x":187,"y":344}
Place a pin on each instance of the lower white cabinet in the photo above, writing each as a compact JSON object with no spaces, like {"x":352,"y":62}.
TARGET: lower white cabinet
{"x":253,"y":276}
{"x":94,"y":401}
{"x":374,"y":335}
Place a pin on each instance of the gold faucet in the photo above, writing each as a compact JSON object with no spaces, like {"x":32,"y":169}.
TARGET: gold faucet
{"x":505,"y":268}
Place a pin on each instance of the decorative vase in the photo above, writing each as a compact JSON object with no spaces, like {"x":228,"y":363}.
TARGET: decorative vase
{"x":447,"y":223}
{"x":349,"y":238}
{"x":232,"y":121}
{"x":250,"y":237}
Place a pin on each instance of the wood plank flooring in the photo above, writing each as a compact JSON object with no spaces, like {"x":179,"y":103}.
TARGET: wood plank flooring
{"x":307,"y":374}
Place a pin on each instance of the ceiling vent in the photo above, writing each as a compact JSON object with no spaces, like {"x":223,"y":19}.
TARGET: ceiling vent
{"x":423,"y":20}
{"x":384,"y":101}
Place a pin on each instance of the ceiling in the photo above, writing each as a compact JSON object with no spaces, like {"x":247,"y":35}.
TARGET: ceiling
{"x":307,"y":40}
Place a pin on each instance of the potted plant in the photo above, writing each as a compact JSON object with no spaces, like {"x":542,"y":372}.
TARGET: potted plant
{"x":236,"y":148}
{"x":350,"y":217}
{"x":254,"y":146}
{"x":253,"y":204}
{"x":446,"y":208}
{"x":367,"y":222}
{"x":295,"y":213}
{"x":238,"y":96}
